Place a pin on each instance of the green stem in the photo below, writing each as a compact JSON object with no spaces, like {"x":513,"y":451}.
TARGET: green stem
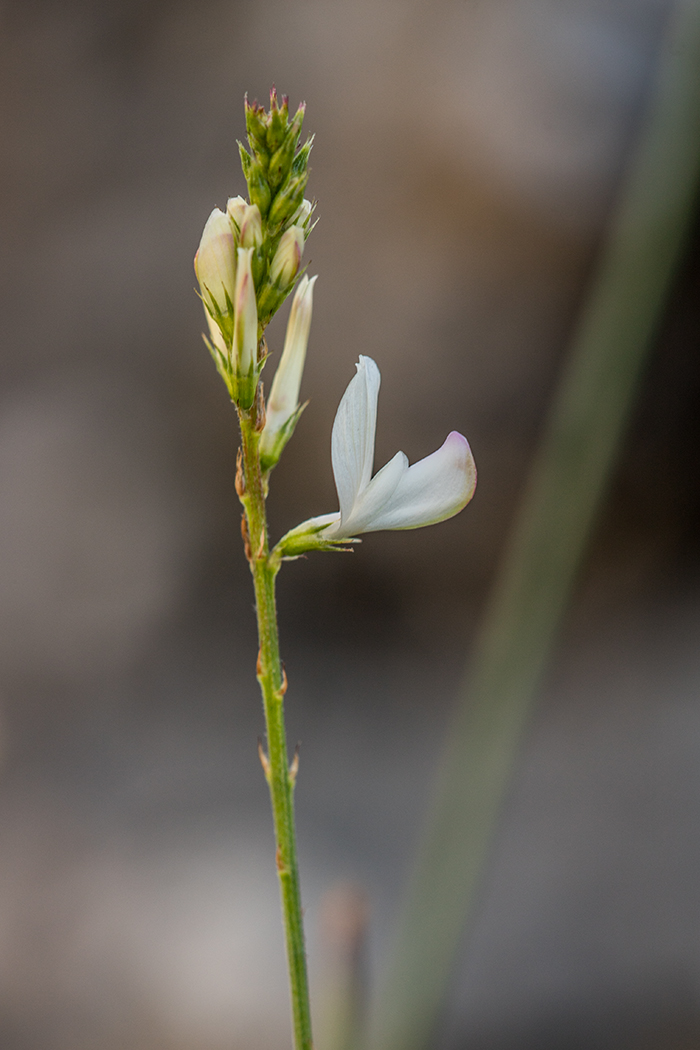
{"x":250,"y":485}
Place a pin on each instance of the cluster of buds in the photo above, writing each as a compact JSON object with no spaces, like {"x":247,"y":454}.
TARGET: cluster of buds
{"x":249,"y":257}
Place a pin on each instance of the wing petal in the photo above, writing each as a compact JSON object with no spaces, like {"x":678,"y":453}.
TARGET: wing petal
{"x":372,"y":500}
{"x":432,"y":490}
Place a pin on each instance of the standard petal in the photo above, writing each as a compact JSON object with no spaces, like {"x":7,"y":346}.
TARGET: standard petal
{"x":284,"y":395}
{"x":245,"y":328}
{"x":215,"y":261}
{"x":352,"y":442}
{"x":432,"y":490}
{"x":372,"y":500}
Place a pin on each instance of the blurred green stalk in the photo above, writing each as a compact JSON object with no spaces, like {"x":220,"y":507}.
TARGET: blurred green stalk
{"x":563,"y":496}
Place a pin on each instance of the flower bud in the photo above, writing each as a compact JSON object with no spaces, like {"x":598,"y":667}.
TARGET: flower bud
{"x":256,"y":126}
{"x":245,"y":327}
{"x":236,"y":209}
{"x":258,"y":186}
{"x":288,"y":199}
{"x":215,"y":265}
{"x":278,"y":120}
{"x":251,"y":227}
{"x":303,"y":214}
{"x":287,"y":259}
{"x":282,"y":406}
{"x":280,"y":163}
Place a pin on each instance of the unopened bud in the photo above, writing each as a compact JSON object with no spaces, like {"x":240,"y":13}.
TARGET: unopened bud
{"x":256,"y":126}
{"x":288,"y":199}
{"x":278,"y":121}
{"x":287,"y":259}
{"x":280,"y":163}
{"x":245,"y":326}
{"x":236,"y":209}
{"x":258,"y":187}
{"x":303,"y":214}
{"x":283,"y":403}
{"x":251,"y":227}
{"x":215,"y":265}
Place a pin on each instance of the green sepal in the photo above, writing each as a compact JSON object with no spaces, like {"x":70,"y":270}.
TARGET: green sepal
{"x":270,"y":459}
{"x":280,"y":165}
{"x":305,"y":538}
{"x":270,"y":299}
{"x":273,"y":295}
{"x":223,"y":320}
{"x":278,"y":122}
{"x":258,"y":187}
{"x":258,"y":267}
{"x":288,"y":199}
{"x":256,"y":129}
{"x":223,"y":366}
{"x":244,"y":388}
{"x":241,"y":388}
{"x":246,"y":159}
{"x":301,"y":161}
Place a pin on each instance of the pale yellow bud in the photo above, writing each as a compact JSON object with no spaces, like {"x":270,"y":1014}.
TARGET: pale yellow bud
{"x":236,"y":209}
{"x":251,"y":227}
{"x":215,"y":263}
{"x":245,"y":326}
{"x":287,"y":259}
{"x":283,"y":403}
{"x":305,"y":209}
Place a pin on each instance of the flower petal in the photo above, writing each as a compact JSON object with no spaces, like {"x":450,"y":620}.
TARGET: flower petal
{"x":321,"y":522}
{"x":284,"y":395}
{"x":432,"y":490}
{"x":215,"y":261}
{"x":352,"y":442}
{"x":372,"y":500}
{"x":245,"y":328}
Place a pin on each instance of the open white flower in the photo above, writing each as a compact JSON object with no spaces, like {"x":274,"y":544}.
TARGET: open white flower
{"x":398,"y":496}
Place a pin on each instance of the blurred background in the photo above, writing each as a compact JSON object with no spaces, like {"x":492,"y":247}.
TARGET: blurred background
{"x":466,"y":162}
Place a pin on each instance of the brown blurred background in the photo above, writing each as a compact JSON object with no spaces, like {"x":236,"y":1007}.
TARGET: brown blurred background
{"x":466,"y":160}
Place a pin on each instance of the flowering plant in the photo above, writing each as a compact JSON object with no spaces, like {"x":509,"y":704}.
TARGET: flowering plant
{"x":248,"y":262}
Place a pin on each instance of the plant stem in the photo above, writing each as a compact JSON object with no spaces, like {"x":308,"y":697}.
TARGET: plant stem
{"x":250,"y":485}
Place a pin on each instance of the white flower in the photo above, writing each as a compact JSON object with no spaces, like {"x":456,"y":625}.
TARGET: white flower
{"x":283,"y":403}
{"x":398,"y":496}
